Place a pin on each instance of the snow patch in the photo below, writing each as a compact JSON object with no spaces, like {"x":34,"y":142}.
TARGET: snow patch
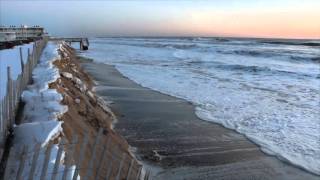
{"x":39,"y":122}
{"x":37,"y":132}
{"x":67,"y":75}
{"x":42,"y":105}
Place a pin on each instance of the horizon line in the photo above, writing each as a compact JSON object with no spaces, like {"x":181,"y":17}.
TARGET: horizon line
{"x":193,"y":36}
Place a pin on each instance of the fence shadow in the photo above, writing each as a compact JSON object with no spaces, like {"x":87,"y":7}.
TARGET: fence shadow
{"x":10,"y":102}
{"x":79,"y":158}
{"x":88,"y":156}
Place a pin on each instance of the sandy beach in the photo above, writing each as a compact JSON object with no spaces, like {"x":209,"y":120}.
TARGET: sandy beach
{"x":160,"y":90}
{"x":166,"y":134}
{"x":85,"y":117}
{"x":86,"y":114}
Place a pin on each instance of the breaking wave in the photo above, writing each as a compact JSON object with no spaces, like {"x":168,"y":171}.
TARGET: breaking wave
{"x":266,"y":90}
{"x":294,"y":43}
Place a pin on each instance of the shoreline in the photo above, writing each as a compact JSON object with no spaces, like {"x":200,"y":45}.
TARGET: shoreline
{"x":129,"y":90}
{"x":87,"y":113}
{"x":66,"y":130}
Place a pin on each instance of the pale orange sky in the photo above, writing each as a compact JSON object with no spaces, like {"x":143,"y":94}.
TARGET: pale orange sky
{"x":284,"y":24}
{"x":245,"y":18}
{"x":295,"y":21}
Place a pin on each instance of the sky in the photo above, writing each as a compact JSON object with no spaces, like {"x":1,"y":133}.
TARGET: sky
{"x":240,"y":18}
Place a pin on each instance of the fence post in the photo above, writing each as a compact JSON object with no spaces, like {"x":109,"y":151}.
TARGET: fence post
{"x":147,"y":175}
{"x":34,"y":53}
{"x":81,"y":155}
{"x":19,"y":87}
{"x":13,"y":84}
{"x":89,"y":171}
{"x":37,"y":52}
{"x":103,"y":154}
{"x":139,"y":173}
{"x":5,"y":115}
{"x":1,"y":123}
{"x":69,"y":157}
{"x":109,"y":168}
{"x":46,"y":161}
{"x":15,"y":90}
{"x":31,"y":66}
{"x":2,"y":137}
{"x":120,"y":166}
{"x":9,"y":93}
{"x":26,"y":74}
{"x":34,"y":160}
{"x":21,"y":59}
{"x":57,"y":161}
{"x":130,"y":169}
{"x":22,"y":162}
{"x":27,"y":65}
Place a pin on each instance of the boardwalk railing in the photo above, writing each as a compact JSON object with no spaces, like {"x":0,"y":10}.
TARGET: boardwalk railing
{"x":92,"y":157}
{"x":84,"y":42}
{"x":9,"y":103}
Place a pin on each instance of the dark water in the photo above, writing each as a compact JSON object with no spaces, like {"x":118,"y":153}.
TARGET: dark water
{"x":266,"y":89}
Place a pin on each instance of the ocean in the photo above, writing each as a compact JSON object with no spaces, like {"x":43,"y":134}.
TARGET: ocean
{"x":266,"y":89}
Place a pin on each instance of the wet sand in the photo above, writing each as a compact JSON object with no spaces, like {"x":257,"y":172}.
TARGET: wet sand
{"x":86,"y":114}
{"x":168,"y":135}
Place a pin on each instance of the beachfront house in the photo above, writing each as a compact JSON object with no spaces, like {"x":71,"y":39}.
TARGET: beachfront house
{"x":23,"y":32}
{"x":7,"y":36}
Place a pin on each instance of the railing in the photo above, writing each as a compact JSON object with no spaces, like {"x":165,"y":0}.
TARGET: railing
{"x":96,"y":156}
{"x":84,"y":42}
{"x":9,"y":103}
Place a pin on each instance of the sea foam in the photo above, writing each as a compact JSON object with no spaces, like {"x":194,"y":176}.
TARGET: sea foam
{"x":271,"y":99}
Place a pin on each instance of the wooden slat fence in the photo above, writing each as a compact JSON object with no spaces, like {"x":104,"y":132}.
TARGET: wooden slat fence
{"x":111,"y":163}
{"x":9,"y":103}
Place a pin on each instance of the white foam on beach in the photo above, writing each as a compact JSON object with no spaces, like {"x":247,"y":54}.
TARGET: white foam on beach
{"x":276,"y":127}
{"x":274,"y":101}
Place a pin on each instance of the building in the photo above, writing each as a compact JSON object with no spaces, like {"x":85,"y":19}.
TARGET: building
{"x":24,"y":32}
{"x":7,"y":36}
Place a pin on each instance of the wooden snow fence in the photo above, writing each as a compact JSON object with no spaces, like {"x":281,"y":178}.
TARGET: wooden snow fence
{"x":9,"y":103}
{"x":107,"y":161}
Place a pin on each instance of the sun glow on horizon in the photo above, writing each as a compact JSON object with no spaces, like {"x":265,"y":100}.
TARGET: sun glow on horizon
{"x":281,"y":24}
{"x":245,"y":18}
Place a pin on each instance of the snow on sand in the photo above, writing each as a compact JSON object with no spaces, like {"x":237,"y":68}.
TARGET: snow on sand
{"x":39,"y":122}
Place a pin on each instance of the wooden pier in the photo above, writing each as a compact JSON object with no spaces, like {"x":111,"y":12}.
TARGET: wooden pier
{"x":84,"y":42}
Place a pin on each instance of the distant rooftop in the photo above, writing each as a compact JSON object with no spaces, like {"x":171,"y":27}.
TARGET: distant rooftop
{"x":21,"y":26}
